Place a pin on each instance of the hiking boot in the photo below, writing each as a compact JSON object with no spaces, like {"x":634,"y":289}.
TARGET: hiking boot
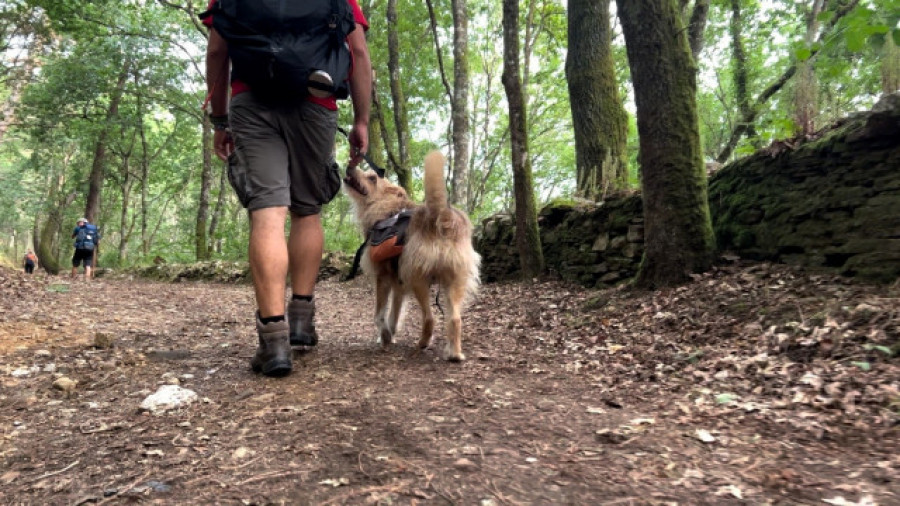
{"x":273,"y":357}
{"x":301,"y":315}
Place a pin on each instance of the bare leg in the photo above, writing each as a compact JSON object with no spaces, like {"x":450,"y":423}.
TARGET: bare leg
{"x":268,"y":259}
{"x":305,"y":249}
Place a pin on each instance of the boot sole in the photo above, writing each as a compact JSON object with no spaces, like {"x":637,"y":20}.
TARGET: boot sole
{"x":273,"y":368}
{"x":303,"y":340}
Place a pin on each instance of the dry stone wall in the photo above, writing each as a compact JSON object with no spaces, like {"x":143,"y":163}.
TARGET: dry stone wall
{"x":593,"y":244}
{"x":831,"y":203}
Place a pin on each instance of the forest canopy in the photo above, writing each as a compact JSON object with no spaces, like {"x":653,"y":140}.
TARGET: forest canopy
{"x":104,"y":98}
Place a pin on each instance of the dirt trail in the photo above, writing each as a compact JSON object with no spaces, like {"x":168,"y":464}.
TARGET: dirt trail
{"x":754,"y":385}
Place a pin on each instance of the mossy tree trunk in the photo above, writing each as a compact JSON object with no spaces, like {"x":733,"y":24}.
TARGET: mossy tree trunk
{"x":739,"y":66}
{"x":598,"y":117}
{"x":678,"y":236}
{"x":48,"y":244}
{"x":528,"y":239}
{"x":401,"y":123}
{"x":697,"y":25}
{"x":806,"y":86}
{"x":201,"y":241}
{"x":459,"y":105}
{"x":890,"y":65}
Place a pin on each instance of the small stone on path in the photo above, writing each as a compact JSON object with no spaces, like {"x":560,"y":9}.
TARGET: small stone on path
{"x":168,"y":397}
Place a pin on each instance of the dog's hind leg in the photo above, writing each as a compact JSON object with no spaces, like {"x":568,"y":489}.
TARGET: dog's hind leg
{"x":396,"y":313}
{"x":422,"y":291}
{"x":456,"y":295}
{"x":382,"y":293}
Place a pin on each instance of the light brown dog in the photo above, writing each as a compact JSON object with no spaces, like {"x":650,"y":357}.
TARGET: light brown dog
{"x":438,"y":250}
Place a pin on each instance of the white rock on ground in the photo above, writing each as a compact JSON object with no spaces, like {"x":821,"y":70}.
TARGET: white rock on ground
{"x":168,"y":397}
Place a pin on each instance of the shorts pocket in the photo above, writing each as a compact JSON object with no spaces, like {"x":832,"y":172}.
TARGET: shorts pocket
{"x":237,"y":176}
{"x":330,"y":183}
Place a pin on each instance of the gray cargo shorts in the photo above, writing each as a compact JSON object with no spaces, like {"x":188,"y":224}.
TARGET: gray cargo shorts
{"x":284,"y":155}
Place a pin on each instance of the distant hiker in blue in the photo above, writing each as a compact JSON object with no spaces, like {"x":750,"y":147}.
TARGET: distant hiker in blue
{"x":86,"y":238}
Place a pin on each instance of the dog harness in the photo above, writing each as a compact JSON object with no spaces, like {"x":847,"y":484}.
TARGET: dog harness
{"x":388,"y":236}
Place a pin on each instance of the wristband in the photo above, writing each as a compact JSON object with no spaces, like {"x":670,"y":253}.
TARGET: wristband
{"x":219,"y":122}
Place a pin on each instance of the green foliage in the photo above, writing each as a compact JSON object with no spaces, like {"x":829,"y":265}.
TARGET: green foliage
{"x":153,"y":160}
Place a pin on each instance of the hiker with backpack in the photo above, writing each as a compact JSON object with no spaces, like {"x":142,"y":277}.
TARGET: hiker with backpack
{"x":30,"y":262}
{"x":87,"y":237}
{"x":290,"y":62}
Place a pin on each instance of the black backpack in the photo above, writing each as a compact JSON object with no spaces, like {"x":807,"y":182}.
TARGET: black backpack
{"x":275,"y":46}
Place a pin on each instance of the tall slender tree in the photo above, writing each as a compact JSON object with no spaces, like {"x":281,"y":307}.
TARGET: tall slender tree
{"x":806,"y":87}
{"x":890,"y":64}
{"x":98,"y":166}
{"x":747,"y":119}
{"x":201,"y":240}
{"x":459,"y":106}
{"x":678,"y":237}
{"x":528,"y":239}
{"x":598,"y":116}
{"x":739,"y":65}
{"x":401,"y":163}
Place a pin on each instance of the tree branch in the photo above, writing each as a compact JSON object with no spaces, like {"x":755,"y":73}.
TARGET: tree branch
{"x":749,"y":117}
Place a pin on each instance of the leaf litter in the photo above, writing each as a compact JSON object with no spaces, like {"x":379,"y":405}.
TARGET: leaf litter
{"x":754,"y":383}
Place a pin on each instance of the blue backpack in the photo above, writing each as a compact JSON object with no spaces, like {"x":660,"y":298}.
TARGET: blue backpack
{"x":86,"y":237}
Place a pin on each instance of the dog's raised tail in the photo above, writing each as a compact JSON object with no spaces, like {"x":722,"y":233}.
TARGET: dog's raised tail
{"x":435,"y":189}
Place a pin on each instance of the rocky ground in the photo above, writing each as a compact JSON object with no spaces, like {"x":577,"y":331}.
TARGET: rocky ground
{"x":755,"y":384}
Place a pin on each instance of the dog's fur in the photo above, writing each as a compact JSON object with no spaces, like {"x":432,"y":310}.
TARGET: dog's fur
{"x":438,"y":250}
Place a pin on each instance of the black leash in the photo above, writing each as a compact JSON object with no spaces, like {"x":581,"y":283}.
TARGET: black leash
{"x":377,"y":168}
{"x":354,"y":269}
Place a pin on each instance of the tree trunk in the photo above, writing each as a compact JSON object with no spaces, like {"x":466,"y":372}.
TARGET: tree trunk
{"x":806,"y":87}
{"x":459,"y":106}
{"x":678,"y":236}
{"x":528,"y":239}
{"x":697,"y":25}
{"x":890,"y":66}
{"x":201,"y":242}
{"x":92,"y":206}
{"x":124,"y":234}
{"x":219,"y":209}
{"x":746,"y":121}
{"x":36,"y":234}
{"x":598,"y":117}
{"x":145,"y":197}
{"x":376,"y":141}
{"x":739,"y":62}
{"x":401,"y":124}
{"x":49,"y":234}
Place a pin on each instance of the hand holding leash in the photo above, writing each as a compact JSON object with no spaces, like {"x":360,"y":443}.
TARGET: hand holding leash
{"x":359,"y":143}
{"x":358,"y":152}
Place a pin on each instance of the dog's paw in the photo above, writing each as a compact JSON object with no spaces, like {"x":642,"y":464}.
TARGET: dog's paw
{"x":453,"y":356}
{"x":385,"y":337}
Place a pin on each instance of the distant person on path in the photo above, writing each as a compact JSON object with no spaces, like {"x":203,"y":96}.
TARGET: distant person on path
{"x":86,"y":238}
{"x":277,"y":133}
{"x":30,"y":262}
